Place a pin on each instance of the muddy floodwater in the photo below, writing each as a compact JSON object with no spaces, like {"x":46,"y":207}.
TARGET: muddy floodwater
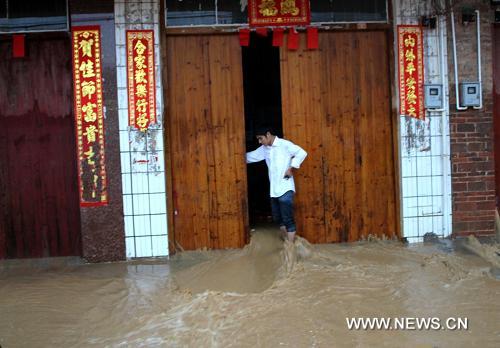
{"x":269,"y":294}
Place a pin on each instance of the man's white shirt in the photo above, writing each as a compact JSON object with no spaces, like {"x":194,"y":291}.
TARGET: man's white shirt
{"x":280,"y":156}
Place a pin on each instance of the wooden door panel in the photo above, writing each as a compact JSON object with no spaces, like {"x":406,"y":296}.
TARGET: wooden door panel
{"x":39,"y":208}
{"x":187,"y":109}
{"x":340,"y":137}
{"x":336,"y":104}
{"x":228,"y":139}
{"x":205,"y":121}
{"x":302,"y":120}
{"x":379,"y":179}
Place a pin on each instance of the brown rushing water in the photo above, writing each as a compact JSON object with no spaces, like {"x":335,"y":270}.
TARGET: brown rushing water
{"x":269,"y":294}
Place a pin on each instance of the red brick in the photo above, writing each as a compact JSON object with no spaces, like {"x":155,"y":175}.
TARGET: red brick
{"x":476,"y":186}
{"x":475,"y":217}
{"x":459,"y":186}
{"x":465,"y":127}
{"x":484,"y":128}
{"x":465,"y":206}
{"x":475,"y":146}
{"x":458,"y":147}
{"x":485,"y":166}
{"x":475,"y":194}
{"x":465,"y":167}
{"x":490,"y":185}
{"x":488,"y":205}
{"x":474,"y":233}
{"x":460,"y":226}
{"x":482,"y":225}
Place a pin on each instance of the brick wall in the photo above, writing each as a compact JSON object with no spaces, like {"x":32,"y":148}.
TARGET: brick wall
{"x":471,"y":131}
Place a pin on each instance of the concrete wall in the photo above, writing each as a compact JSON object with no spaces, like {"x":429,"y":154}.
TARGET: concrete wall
{"x":424,"y":144}
{"x":142,"y":155}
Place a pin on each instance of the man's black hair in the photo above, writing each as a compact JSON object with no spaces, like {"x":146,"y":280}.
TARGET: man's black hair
{"x":263,"y":129}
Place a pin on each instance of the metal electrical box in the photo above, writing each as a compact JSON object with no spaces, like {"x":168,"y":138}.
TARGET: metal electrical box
{"x":470,"y":94}
{"x":433,"y":96}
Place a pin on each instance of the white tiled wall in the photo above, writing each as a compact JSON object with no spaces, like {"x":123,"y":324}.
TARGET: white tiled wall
{"x":425,"y":145}
{"x":142,"y":156}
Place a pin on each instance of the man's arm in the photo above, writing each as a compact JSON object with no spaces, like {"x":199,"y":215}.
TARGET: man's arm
{"x":256,"y":155}
{"x":298,"y":155}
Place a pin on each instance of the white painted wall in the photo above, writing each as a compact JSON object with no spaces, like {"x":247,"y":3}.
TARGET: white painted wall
{"x":142,"y":159}
{"x":425,"y":145}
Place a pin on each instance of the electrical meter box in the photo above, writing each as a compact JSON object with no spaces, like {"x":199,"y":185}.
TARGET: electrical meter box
{"x":470,"y":94}
{"x":433,"y":96}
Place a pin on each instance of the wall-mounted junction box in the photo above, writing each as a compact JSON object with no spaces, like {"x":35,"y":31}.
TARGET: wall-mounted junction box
{"x":470,"y":94}
{"x":433,"y":96}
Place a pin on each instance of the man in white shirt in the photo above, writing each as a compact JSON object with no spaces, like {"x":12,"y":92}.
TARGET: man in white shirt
{"x":282,"y":158}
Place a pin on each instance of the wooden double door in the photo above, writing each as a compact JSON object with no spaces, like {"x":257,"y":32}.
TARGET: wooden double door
{"x":335,"y":104}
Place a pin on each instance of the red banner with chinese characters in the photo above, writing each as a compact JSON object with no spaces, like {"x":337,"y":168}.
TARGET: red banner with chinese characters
{"x":89,"y":115}
{"x":278,"y":12}
{"x":141,"y":78}
{"x":411,"y":71}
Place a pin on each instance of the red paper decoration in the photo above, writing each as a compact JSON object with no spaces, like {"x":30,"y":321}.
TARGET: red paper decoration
{"x":278,"y":37}
{"x":293,"y":39}
{"x":244,"y":37}
{"x":18,"y":50}
{"x":312,"y":38}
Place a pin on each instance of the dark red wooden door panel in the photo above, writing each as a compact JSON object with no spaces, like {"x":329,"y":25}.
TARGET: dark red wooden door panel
{"x":39,"y":214}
